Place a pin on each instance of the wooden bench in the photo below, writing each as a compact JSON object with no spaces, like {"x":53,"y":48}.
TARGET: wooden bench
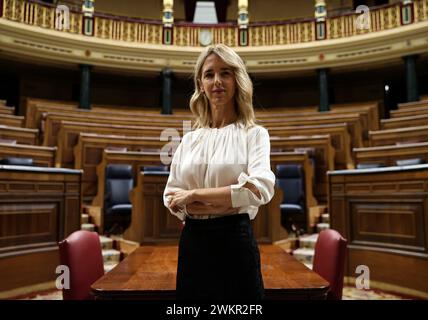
{"x":369,"y":110}
{"x":42,"y":156}
{"x":34,"y":115}
{"x":7,"y":110}
{"x":34,"y":108}
{"x":388,"y":155}
{"x":340,"y":140}
{"x":367,"y":123}
{"x":69,"y":132}
{"x":353,"y":121}
{"x":151,"y":222}
{"x":404,"y":122}
{"x":20,"y":135}
{"x":11,"y":120}
{"x":53,"y":120}
{"x":89,"y":150}
{"x":395,"y":136}
{"x":414,"y":104}
{"x":323,"y":155}
{"x":139,"y":159}
{"x":409,"y":112}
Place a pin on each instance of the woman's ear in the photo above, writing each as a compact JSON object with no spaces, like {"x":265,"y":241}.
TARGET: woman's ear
{"x":201,"y":87}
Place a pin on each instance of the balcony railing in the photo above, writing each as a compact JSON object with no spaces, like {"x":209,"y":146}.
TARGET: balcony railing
{"x":33,"y":12}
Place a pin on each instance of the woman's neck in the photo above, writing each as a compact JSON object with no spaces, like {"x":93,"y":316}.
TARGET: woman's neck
{"x":222,"y":116}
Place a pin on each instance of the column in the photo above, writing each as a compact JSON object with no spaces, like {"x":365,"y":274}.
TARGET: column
{"x":243,"y":22}
{"x":167,"y":20}
{"x":85,"y":86}
{"x":323,"y":88}
{"x":166,"y":91}
{"x":320,"y":23}
{"x":88,"y":9}
{"x":412,"y":93}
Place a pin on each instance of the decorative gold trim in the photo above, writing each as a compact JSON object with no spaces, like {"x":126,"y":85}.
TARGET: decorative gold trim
{"x":272,"y":48}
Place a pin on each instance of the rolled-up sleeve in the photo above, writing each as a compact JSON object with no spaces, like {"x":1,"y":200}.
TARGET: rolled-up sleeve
{"x":258,"y":173}
{"x":175,"y":183}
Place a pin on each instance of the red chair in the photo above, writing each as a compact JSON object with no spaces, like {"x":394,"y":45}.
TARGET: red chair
{"x":81,"y":252}
{"x":329,"y":261}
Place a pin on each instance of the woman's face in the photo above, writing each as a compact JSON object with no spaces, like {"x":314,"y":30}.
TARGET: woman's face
{"x":218,"y":81}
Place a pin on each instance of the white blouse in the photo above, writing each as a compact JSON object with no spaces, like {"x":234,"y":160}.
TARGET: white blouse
{"x":229,"y":156}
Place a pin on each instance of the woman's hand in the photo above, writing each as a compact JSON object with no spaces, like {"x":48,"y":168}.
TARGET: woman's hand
{"x":180,"y":198}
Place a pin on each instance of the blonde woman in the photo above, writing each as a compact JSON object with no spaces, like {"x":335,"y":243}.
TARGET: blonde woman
{"x":220,"y":175}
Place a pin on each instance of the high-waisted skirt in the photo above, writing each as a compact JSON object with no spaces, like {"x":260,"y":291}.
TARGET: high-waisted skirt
{"x":219,"y":259}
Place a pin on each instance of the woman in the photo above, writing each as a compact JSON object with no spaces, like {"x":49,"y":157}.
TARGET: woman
{"x":220,"y":175}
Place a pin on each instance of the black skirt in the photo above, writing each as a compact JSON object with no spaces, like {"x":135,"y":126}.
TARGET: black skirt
{"x":219,"y":259}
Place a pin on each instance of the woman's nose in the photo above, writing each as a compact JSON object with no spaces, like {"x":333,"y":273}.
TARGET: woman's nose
{"x":217,"y":80}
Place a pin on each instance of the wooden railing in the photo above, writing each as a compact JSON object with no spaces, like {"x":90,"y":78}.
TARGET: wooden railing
{"x":121,"y":28}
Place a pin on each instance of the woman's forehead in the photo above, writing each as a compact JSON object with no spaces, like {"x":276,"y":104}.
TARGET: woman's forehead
{"x":213,"y":61}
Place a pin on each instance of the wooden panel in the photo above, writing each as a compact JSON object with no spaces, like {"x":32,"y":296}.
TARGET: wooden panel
{"x":384,"y":215}
{"x":404,"y":272}
{"x":28,"y":223}
{"x":37,"y":210}
{"x":388,"y":224}
{"x":28,"y":269}
{"x":150,"y":222}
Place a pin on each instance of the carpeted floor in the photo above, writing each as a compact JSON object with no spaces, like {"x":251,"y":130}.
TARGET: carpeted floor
{"x":349,"y":293}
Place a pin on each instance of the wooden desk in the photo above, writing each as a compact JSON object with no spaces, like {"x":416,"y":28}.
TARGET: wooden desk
{"x":150,"y":273}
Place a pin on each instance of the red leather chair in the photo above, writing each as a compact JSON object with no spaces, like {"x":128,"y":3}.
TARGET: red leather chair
{"x":329,"y":261}
{"x":81,"y":252}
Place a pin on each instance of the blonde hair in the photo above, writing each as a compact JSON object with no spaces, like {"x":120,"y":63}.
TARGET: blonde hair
{"x":199,"y":104}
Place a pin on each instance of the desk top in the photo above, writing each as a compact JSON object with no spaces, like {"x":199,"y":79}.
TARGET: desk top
{"x":150,"y":273}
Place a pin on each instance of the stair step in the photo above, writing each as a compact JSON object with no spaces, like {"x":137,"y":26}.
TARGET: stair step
{"x":325,"y":218}
{"x":111,"y":255}
{"x":308,"y":241}
{"x":304,"y":255}
{"x":322,"y":226}
{"x":106,"y":243}
{"x":88,"y":226}
{"x":84,"y":218}
{"x":109,"y":266}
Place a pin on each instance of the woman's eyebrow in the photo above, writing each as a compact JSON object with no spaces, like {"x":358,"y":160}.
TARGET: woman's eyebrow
{"x":222,"y":69}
